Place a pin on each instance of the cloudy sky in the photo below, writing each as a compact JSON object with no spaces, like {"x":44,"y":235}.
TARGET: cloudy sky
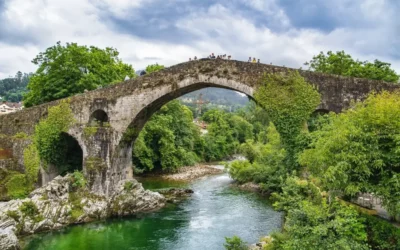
{"x":284,"y":32}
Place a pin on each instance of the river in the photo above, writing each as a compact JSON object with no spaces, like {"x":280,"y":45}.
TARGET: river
{"x":216,"y":210}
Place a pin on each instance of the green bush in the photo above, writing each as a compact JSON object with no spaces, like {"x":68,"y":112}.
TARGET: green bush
{"x":29,"y":209}
{"x":235,"y":243}
{"x":78,"y":180}
{"x":381,"y":234}
{"x":17,"y":186}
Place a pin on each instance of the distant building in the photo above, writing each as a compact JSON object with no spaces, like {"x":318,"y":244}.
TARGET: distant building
{"x":9,"y":107}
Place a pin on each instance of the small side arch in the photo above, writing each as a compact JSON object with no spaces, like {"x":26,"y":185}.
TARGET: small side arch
{"x":98,"y":117}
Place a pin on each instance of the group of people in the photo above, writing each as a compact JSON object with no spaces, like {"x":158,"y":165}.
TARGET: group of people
{"x":253,"y":60}
{"x":224,"y":57}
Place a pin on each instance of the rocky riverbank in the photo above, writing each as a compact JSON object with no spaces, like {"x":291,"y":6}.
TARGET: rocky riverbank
{"x":59,"y":204}
{"x":191,"y":173}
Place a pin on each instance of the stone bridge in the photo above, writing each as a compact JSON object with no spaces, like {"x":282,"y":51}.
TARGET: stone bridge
{"x":126,"y":107}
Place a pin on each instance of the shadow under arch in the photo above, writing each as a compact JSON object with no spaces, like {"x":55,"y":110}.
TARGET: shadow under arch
{"x":138,"y":122}
{"x":71,"y":154}
{"x":98,"y":117}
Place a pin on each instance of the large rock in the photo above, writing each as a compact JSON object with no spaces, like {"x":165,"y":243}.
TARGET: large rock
{"x":58,"y":204}
{"x":8,"y":240}
{"x":131,"y":198}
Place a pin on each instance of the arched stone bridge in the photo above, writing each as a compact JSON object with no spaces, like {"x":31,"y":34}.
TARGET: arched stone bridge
{"x":127,"y":106}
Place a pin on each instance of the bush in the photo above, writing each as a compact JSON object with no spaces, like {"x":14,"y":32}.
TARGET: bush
{"x":235,"y":243}
{"x":381,"y":234}
{"x":29,"y":209}
{"x":17,"y":187}
{"x":78,"y":180}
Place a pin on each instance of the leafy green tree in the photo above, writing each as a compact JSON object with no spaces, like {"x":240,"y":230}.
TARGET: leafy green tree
{"x":219,"y":141}
{"x":67,"y":70}
{"x":154,"y":68}
{"x":358,"y":150}
{"x":242,"y":129}
{"x":169,"y":140}
{"x":340,"y":63}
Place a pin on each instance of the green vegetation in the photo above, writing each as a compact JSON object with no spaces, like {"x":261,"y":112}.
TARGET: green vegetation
{"x":128,"y":186}
{"x":357,"y":150}
{"x":154,"y":68}
{"x":78,"y":180}
{"x":13,"y":88}
{"x":89,"y":131}
{"x":289,"y":101}
{"x":235,"y":243}
{"x":17,"y":186}
{"x":29,"y":209}
{"x":51,"y":140}
{"x":68,"y":70}
{"x":169,"y":140}
{"x":21,"y":135}
{"x":340,"y":63}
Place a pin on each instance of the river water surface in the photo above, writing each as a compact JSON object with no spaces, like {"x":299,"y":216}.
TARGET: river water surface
{"x":216,"y":210}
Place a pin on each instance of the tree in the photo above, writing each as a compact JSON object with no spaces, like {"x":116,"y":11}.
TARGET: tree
{"x":340,"y":63}
{"x":154,"y":68}
{"x":358,"y":150}
{"x":169,"y":140}
{"x":67,"y":70}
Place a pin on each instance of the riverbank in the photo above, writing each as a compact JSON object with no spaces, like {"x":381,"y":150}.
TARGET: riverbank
{"x":188,"y":173}
{"x":60,"y":203}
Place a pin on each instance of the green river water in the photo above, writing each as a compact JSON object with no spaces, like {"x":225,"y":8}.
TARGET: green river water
{"x":216,"y":210}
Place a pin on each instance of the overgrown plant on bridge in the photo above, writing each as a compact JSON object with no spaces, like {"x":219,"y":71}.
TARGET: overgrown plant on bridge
{"x":47,"y":138}
{"x":289,"y":101}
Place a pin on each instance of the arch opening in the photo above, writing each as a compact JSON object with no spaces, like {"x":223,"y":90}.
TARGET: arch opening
{"x":177,"y":118}
{"x":71,"y":155}
{"x":146,"y":112}
{"x":98,"y":118}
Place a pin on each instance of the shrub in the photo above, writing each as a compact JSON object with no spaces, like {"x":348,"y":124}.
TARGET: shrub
{"x":235,"y":243}
{"x":381,"y":234}
{"x":29,"y":209}
{"x":78,"y":180}
{"x":17,"y":187}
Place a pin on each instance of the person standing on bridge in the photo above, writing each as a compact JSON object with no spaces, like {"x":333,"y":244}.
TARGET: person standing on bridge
{"x":254,"y":60}
{"x":249,"y":59}
{"x":258,"y":61}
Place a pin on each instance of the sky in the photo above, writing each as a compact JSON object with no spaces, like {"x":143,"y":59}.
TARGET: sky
{"x":281,"y":32}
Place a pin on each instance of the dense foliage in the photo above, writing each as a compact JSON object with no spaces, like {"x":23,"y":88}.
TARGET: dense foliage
{"x":314,"y":223}
{"x":340,"y":63}
{"x":265,"y":164}
{"x":67,"y":70}
{"x":358,"y":150}
{"x":226,"y":132}
{"x":168,"y":141}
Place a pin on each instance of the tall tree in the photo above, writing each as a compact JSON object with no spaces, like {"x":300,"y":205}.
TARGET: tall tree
{"x":340,"y":63}
{"x":67,"y":70}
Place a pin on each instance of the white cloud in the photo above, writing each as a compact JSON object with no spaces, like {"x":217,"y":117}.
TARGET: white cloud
{"x":219,"y":29}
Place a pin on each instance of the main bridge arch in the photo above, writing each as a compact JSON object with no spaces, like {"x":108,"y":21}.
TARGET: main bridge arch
{"x":125,"y":107}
